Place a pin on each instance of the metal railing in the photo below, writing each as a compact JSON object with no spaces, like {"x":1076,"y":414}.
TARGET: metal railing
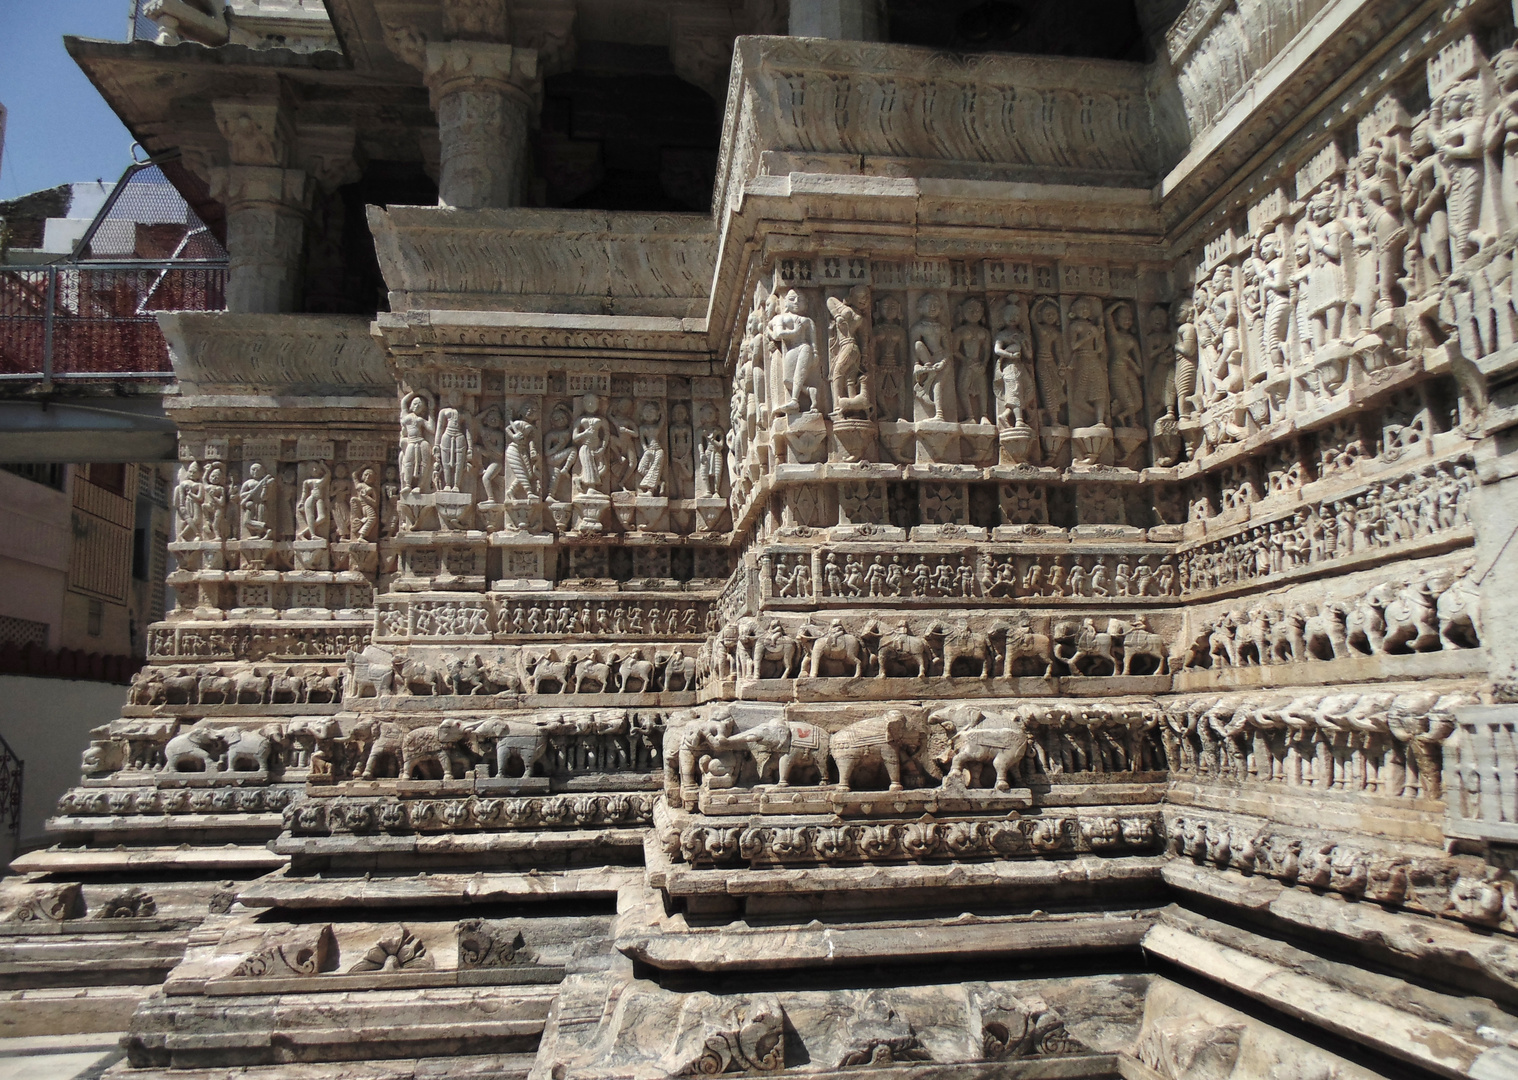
{"x":11,"y":771}
{"x":98,"y":320}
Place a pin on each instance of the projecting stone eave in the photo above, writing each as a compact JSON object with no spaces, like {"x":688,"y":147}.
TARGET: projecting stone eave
{"x":259,"y":367}
{"x":564,"y":262}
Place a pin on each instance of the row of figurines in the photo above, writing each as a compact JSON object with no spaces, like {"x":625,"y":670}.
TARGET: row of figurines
{"x":840,"y":575}
{"x":316,"y":503}
{"x":1374,"y":740}
{"x":1068,"y":387}
{"x":1044,"y":378}
{"x":1022,"y":645}
{"x":569,"y":743}
{"x":1379,"y":740}
{"x":593,"y":448}
{"x":1408,"y":243}
{"x":1433,"y":501}
{"x":1398,"y":617}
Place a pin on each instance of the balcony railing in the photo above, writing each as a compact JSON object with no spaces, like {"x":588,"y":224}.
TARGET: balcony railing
{"x":98,"y":320}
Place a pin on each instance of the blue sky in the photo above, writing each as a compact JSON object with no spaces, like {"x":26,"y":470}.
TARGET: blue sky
{"x":59,"y":130}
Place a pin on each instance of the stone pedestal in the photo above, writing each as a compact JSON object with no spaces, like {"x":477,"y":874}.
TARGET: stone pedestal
{"x":937,"y":442}
{"x":854,"y":440}
{"x":1017,"y":444}
{"x":1091,"y":445}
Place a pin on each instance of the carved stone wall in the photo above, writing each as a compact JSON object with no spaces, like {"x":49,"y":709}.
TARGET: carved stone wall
{"x":1004,"y":539}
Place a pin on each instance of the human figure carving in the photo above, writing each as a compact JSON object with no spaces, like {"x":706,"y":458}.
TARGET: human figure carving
{"x":189,"y":502}
{"x":255,"y":500}
{"x":1017,"y":392}
{"x":1125,"y":374}
{"x":1458,"y":138}
{"x":313,"y":518}
{"x":796,"y":337}
{"x":1090,"y":398}
{"x":415,"y":459}
{"x":972,"y":351}
{"x":592,"y":444}
{"x":523,"y":474}
{"x":932,"y":366}
{"x":364,"y":508}
{"x":214,"y":502}
{"x":653,"y":458}
{"x":453,"y":445}
{"x":1183,"y":403}
{"x":1051,"y":362}
{"x":851,"y":390}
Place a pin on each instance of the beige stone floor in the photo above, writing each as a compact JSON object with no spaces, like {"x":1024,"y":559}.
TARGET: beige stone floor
{"x":58,"y":1057}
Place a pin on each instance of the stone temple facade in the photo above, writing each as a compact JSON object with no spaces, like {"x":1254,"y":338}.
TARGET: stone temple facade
{"x":1022,"y":586}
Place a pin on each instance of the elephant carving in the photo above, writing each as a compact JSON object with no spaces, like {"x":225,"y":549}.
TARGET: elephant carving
{"x":197,"y":750}
{"x":444,"y":745}
{"x":686,"y":746}
{"x":253,"y":751}
{"x":893,"y":740}
{"x":510,"y":744}
{"x":788,"y":744}
{"x":997,"y":740}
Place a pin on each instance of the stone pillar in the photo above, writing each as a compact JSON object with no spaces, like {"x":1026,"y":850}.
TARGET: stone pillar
{"x":484,"y":96}
{"x":840,"y":20}
{"x":266,"y":205}
{"x":266,"y":227}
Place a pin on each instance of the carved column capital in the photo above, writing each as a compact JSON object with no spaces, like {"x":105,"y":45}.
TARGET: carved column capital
{"x":258,"y":131}
{"x":451,"y":67}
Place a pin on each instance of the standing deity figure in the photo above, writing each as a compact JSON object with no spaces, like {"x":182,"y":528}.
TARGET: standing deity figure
{"x":1459,"y":140}
{"x":652,"y":459}
{"x":1423,"y":195}
{"x":851,"y":389}
{"x":796,"y":337}
{"x":1017,"y":393}
{"x":313,"y":518}
{"x":189,"y":502}
{"x":453,"y":446}
{"x":1502,"y":139}
{"x":558,"y":448}
{"x":890,"y":339}
{"x":1223,"y":372}
{"x":1125,"y":366}
{"x":932,"y":371}
{"x":341,"y":493}
{"x":1274,"y":302}
{"x":364,"y":508}
{"x":1159,"y":360}
{"x":592,"y":448}
{"x":622,"y":461}
{"x":523,"y":474}
{"x":1051,"y":360}
{"x":214,"y":501}
{"x":682,"y":453}
{"x":1089,"y":391}
{"x":415,"y":459}
{"x":708,"y":455}
{"x":1186,"y":350}
{"x":1380,"y":201}
{"x":255,"y":502}
{"x":972,"y":354}
{"x":1327,"y":288}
